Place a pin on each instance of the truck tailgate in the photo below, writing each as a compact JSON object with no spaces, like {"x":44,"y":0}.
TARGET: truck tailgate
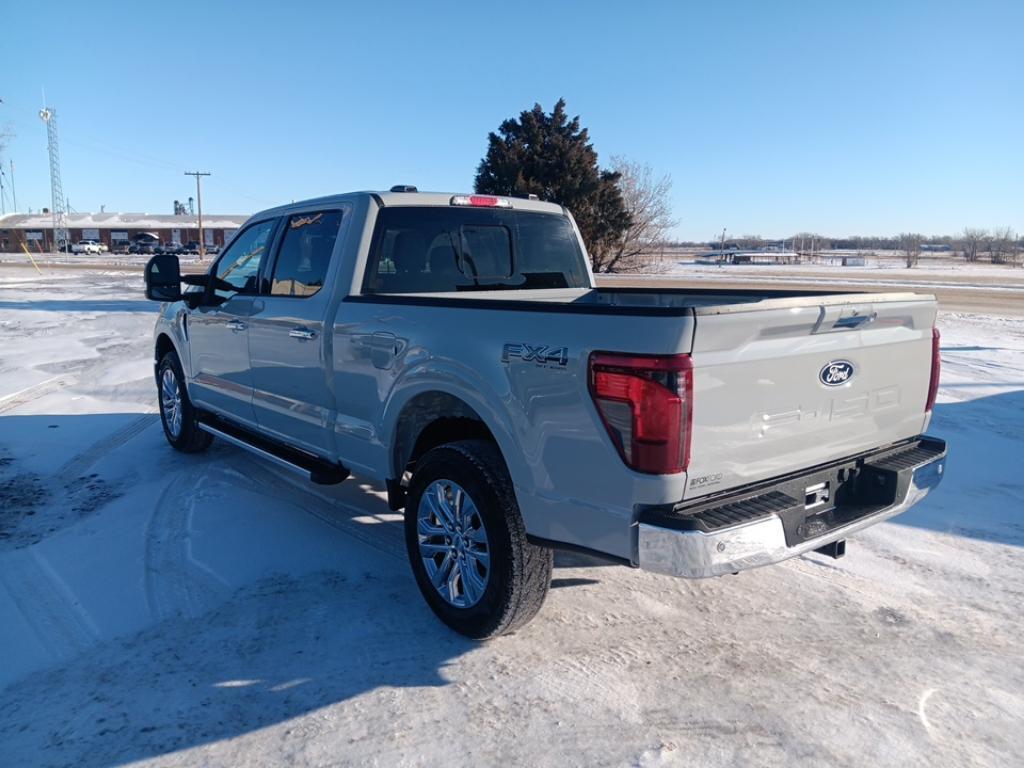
{"x":790,"y":384}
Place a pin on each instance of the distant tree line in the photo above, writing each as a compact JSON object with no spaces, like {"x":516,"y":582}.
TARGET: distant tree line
{"x":1000,"y":245}
{"x":978,"y":241}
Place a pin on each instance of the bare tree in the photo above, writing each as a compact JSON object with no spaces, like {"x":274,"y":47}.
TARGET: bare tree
{"x":1003,"y":246}
{"x":810,"y":243}
{"x":910,"y":244}
{"x":972,"y":242}
{"x":647,"y":202}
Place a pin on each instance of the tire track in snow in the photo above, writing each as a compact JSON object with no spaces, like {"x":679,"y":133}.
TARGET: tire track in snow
{"x":77,"y":466}
{"x":47,"y":604}
{"x":178,"y":585}
{"x":27,"y":395}
{"x":175,"y":583}
{"x":283,"y":486}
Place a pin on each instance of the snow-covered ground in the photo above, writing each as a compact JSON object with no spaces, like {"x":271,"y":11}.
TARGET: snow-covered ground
{"x":185,"y":610}
{"x":933,"y":272}
{"x":892,"y":263}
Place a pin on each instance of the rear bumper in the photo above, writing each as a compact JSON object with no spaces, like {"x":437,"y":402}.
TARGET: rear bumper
{"x":773,"y":521}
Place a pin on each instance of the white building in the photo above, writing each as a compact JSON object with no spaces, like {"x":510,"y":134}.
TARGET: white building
{"x":115,"y":230}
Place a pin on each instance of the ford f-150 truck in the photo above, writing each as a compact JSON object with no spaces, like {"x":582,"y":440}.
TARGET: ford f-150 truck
{"x":455,"y":349}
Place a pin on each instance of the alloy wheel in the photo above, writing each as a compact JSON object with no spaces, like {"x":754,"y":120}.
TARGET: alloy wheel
{"x":453,"y":543}
{"x":170,"y":400}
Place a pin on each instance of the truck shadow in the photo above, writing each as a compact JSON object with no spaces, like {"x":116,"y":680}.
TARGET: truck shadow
{"x":226,"y":662}
{"x":277,"y":650}
{"x":982,"y":493}
{"x":205,"y":660}
{"x":146,"y":625}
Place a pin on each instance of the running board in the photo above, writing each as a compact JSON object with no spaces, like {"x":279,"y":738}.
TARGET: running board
{"x":314,"y":469}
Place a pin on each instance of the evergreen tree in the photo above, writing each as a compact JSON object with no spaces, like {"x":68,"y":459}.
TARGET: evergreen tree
{"x":550,"y":156}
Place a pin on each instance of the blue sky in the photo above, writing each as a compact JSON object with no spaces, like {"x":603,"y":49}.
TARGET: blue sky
{"x":771,"y":117}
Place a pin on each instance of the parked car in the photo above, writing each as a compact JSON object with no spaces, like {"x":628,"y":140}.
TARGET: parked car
{"x":455,"y":349}
{"x":87,"y":246}
{"x":192,"y":247}
{"x":169,"y":248}
{"x":143,"y":246}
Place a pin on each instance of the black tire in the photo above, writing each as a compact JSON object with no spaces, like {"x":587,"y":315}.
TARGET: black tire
{"x":520,"y":572}
{"x":190,"y":439}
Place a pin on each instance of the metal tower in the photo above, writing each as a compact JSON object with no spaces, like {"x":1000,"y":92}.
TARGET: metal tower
{"x":59,"y":209}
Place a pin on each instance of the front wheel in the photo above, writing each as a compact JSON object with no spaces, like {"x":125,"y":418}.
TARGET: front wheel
{"x":177,"y":414}
{"x":467,"y":543}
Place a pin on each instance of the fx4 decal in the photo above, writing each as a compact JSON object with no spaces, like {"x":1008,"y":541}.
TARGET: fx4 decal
{"x":540,"y":354}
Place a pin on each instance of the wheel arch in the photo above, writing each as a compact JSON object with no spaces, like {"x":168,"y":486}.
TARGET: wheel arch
{"x":433,"y":417}
{"x":164,"y":344}
{"x":429,"y":419}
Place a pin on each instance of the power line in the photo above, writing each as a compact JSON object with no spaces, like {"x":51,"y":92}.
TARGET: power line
{"x":119,"y":152}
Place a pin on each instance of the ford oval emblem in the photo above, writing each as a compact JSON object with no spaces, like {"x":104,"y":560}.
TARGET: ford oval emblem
{"x":836,"y":373}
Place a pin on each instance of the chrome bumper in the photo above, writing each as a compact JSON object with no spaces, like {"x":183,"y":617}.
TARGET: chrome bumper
{"x":698,"y":554}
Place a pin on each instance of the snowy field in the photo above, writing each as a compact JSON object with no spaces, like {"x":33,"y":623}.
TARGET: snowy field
{"x":891,"y":263}
{"x":930,"y":272}
{"x":187,"y":610}
{"x":981,"y":288}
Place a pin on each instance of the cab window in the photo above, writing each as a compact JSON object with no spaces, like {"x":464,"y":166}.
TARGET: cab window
{"x":239,"y":267}
{"x":305,"y":253}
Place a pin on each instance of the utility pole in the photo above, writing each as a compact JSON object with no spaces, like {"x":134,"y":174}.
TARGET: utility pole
{"x":14,"y":195}
{"x":721,"y":250}
{"x":199,"y":207}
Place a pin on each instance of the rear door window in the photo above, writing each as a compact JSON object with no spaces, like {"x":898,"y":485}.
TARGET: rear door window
{"x":305,"y":253}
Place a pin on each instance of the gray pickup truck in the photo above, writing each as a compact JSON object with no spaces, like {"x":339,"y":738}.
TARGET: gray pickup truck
{"x":455,"y":349}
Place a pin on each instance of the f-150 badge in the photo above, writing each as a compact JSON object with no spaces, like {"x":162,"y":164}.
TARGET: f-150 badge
{"x":541,"y":354}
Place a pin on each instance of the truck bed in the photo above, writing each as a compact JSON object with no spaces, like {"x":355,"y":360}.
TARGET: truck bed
{"x":653,"y":301}
{"x":709,"y":301}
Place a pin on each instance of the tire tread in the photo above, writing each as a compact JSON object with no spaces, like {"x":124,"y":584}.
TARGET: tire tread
{"x":531,"y":565}
{"x":192,"y":439}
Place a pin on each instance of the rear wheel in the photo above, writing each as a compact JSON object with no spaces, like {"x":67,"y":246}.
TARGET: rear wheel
{"x":177,"y":414}
{"x":467,"y":544}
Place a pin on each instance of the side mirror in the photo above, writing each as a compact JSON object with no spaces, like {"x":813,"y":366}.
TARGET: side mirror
{"x":163,"y":278}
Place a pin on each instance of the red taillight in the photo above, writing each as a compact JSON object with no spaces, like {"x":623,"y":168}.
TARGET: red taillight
{"x":646,"y":404}
{"x":933,"y":383}
{"x":481,"y":201}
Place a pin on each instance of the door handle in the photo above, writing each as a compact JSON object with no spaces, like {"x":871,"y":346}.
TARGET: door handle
{"x":383,"y":349}
{"x":236,"y":325}
{"x":384,"y":340}
{"x":302,"y":333}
